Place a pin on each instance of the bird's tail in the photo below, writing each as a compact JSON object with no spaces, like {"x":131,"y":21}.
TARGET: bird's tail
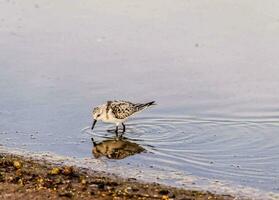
{"x":142,"y":106}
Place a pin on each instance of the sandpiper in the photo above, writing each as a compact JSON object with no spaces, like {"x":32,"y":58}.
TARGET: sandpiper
{"x":117,"y":112}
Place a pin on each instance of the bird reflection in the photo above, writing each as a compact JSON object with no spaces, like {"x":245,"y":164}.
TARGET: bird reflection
{"x":115,"y":148}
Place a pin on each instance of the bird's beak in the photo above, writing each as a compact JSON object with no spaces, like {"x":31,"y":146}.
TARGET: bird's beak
{"x":94,"y":122}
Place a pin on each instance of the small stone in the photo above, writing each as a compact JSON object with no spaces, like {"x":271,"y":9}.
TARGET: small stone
{"x":145,"y":186}
{"x":165,"y":197}
{"x":20,"y":182}
{"x":17,"y":164}
{"x":40,"y":180}
{"x":163,"y":192}
{"x":2,"y":177}
{"x":101,"y":186}
{"x":83,"y":181}
{"x":68,"y":170}
{"x":68,"y":194}
{"x":55,"y":171}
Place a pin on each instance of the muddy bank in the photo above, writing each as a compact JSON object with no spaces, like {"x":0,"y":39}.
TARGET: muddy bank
{"x":25,"y":178}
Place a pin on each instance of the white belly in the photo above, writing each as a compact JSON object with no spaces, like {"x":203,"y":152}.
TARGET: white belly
{"x":109,"y":118}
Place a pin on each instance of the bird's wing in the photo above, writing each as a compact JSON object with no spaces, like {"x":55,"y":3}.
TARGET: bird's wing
{"x":122,"y":109}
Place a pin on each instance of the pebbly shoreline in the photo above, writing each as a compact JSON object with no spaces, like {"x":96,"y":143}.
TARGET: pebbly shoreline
{"x":26,"y":178}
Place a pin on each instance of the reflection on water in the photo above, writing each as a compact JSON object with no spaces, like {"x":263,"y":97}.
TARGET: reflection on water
{"x":236,"y":150}
{"x":116,"y":148}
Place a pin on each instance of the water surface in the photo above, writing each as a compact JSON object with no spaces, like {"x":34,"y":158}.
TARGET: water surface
{"x":212,"y":68}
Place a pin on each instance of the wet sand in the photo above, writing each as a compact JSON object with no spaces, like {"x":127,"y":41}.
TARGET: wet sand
{"x":27,"y":178}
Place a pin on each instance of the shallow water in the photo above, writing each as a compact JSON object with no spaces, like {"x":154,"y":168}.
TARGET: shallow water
{"x":212,"y":68}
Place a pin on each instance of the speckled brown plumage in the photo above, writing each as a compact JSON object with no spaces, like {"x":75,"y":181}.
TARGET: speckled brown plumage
{"x":123,"y":109}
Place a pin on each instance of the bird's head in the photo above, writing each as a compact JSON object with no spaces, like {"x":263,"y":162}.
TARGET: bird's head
{"x":97,"y":115}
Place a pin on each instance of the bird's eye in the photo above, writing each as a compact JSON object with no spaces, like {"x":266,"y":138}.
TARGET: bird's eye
{"x":98,"y":115}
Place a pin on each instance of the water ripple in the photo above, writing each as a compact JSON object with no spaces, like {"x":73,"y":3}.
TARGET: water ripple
{"x":237,"y":150}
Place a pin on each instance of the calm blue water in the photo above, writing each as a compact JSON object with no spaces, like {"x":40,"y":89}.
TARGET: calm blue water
{"x":212,"y":68}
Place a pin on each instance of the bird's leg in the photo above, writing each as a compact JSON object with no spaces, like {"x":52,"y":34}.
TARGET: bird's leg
{"x":124,"y":128}
{"x":116,"y":130}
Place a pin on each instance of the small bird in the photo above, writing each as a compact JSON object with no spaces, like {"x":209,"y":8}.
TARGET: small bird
{"x":117,"y":112}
